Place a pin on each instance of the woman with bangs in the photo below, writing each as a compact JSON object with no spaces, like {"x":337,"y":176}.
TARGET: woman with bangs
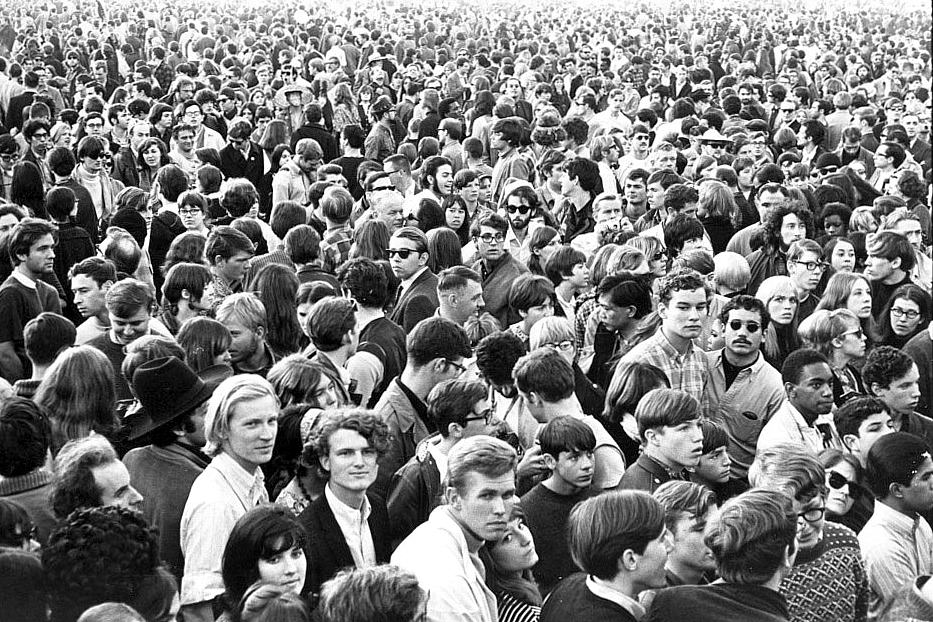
{"x":780,"y":338}
{"x":852,"y":291}
{"x":906,"y":314}
{"x":508,"y":563}
{"x":264,"y":558}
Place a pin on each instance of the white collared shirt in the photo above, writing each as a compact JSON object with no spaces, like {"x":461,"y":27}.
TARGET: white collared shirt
{"x":354,"y":524}
{"x":623,"y":600}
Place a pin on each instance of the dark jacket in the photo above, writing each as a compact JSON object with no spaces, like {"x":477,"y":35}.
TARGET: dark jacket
{"x":645,"y":474}
{"x":233,"y":164}
{"x":415,"y":490}
{"x":328,"y":552}
{"x":125,"y":168}
{"x":418,"y":302}
{"x":572,"y":600}
{"x":496,"y":284}
{"x":324,"y":138}
{"x":406,"y":429}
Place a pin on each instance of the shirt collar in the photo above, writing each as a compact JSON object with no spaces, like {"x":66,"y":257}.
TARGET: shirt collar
{"x":23,"y":279}
{"x":408,"y":282}
{"x":344,"y":512}
{"x":248,"y":486}
{"x":623,"y":600}
{"x":898,"y":520}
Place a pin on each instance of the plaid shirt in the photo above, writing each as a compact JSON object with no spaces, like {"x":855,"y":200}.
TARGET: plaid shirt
{"x":687,"y":372}
{"x":335,"y":247}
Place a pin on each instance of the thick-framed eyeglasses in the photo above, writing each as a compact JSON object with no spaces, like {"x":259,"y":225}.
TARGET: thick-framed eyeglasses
{"x":563,"y":346}
{"x":403,"y":253}
{"x":812,"y":266}
{"x":910,"y":314}
{"x":489,"y":238}
{"x":813,"y":515}
{"x":485,"y":416}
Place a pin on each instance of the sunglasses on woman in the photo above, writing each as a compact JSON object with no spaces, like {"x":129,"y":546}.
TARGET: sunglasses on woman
{"x":837,"y":481}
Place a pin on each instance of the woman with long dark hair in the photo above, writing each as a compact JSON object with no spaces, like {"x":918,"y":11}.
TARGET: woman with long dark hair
{"x":265,"y":554}
{"x":277,"y":287}
{"x":508,"y":563}
{"x":905,"y":315}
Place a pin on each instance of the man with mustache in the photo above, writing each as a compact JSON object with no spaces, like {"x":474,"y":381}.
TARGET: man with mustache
{"x":744,"y":390}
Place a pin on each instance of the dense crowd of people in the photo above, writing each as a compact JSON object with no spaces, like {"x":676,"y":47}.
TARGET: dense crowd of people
{"x":465,"y":313}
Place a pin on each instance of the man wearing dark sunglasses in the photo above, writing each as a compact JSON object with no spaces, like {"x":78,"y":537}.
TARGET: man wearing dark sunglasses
{"x":521,"y":205}
{"x":416,"y":298}
{"x":744,"y":390}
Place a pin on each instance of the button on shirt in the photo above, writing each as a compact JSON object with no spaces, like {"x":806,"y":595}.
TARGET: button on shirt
{"x":354,"y":525}
{"x":220,"y":495}
{"x":896,"y":549}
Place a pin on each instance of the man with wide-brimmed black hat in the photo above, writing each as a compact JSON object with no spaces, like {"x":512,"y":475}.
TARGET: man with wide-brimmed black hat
{"x":171,"y":418}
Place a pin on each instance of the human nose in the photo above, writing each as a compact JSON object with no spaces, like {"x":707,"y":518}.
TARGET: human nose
{"x":135,"y":497}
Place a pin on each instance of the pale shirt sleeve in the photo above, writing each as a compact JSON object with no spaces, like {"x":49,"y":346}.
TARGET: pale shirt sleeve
{"x":889,"y":569}
{"x":206,"y":524}
{"x":367,"y":370}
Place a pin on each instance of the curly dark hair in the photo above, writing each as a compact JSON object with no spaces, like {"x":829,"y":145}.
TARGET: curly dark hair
{"x":73,"y":485}
{"x":366,"y":422}
{"x":772,"y":226}
{"x":98,"y":555}
{"x":496,"y":355}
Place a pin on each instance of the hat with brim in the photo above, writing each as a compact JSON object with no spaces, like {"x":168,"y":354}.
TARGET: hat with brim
{"x":281,"y":97}
{"x":713,"y":137}
{"x":166,"y":389}
{"x":382,"y":104}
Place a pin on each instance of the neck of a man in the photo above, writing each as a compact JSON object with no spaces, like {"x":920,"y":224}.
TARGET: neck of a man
{"x":740,"y":360}
{"x":566,"y":290}
{"x":681,"y":344}
{"x":578,"y":196}
{"x":26,"y":272}
{"x":256,"y":360}
{"x":895,"y":277}
{"x":38,"y":371}
{"x":560,"y":486}
{"x":653,"y":452}
{"x":808,"y":415}
{"x":365,"y":315}
{"x":185,"y":312}
{"x":352,"y":498}
{"x":690,"y":575}
{"x":621,"y":583}
{"x":419,"y":383}
{"x":338,"y":357}
{"x":552,"y":410}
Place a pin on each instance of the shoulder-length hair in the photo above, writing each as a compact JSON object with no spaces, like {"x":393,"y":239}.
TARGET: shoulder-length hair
{"x":227,"y":396}
{"x":203,"y":339}
{"x":275,"y":134}
{"x":522,"y":587}
{"x":295,"y":379}
{"x":261,"y":533}
{"x":371,"y":239}
{"x":78,"y":391}
{"x":718,"y":202}
{"x":910,"y":292}
{"x":779,"y":341}
{"x":444,"y":249}
{"x":276,"y":286}
{"x":838,"y":289}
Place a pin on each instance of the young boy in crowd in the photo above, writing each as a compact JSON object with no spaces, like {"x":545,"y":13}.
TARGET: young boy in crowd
{"x":567,"y":446}
{"x":669,"y":426}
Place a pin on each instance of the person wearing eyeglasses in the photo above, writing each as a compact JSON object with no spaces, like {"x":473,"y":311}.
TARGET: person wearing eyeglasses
{"x":498,"y":267}
{"x":897,"y":541}
{"x":827,"y":580}
{"x":458,"y":409}
{"x":241,"y":157}
{"x":906,"y":315}
{"x":436,"y":350}
{"x":888,"y":160}
{"x":805,"y":267}
{"x":745,"y":391}
{"x":839,"y":335}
